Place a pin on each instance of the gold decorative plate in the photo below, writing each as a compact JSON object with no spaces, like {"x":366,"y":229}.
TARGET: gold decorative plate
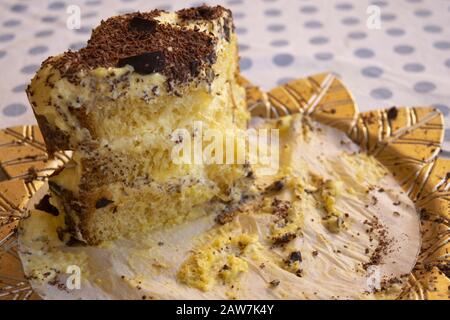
{"x":405,"y":140}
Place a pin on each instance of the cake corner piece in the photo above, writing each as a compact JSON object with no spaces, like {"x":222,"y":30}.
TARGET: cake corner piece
{"x":116,"y":103}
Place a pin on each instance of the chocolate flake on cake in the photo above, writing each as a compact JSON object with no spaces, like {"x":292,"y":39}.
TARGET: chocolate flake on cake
{"x":46,"y":206}
{"x":392,"y":113}
{"x":141,"y":24}
{"x":146,"y":63}
{"x":102,"y":202}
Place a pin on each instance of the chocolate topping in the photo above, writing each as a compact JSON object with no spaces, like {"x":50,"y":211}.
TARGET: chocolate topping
{"x":141,"y":41}
{"x":203,"y":12}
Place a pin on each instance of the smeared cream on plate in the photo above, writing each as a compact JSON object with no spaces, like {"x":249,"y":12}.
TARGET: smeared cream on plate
{"x":332,"y":224}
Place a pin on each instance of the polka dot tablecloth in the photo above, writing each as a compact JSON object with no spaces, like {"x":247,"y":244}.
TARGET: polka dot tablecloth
{"x":388,"y":53}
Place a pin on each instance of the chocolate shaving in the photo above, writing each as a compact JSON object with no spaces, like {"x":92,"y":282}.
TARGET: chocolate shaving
{"x":285,"y":238}
{"x":102,"y":202}
{"x":145,"y":63}
{"x":142,"y":25}
{"x":294,"y":256}
{"x":392,"y":113}
{"x":45,"y":205}
{"x":276,"y":186}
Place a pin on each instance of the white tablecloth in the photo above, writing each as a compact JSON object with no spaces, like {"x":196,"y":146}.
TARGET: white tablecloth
{"x":406,"y":62}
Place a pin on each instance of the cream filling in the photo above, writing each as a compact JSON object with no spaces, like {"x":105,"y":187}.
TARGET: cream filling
{"x":187,"y":261}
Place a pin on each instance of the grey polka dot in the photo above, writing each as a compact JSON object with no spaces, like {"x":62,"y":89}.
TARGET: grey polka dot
{"x":241,"y":30}
{"x":379,"y":3}
{"x":233,"y":2}
{"x":29,"y":69}
{"x":387,"y":17}
{"x":432,"y":28}
{"x":404,"y":49}
{"x":6,"y":37}
{"x":57,"y":5}
{"x":381,"y":93}
{"x":276,"y":27}
{"x":443,"y":108}
{"x":350,"y":21}
{"x":272,"y":12}
{"x":372,"y":72}
{"x":444,"y":153}
{"x":20,"y":88}
{"x":38,"y":50}
{"x":364,"y":53}
{"x":165,"y":7}
{"x":43,"y":33}
{"x":77,"y":46}
{"x":414,"y":1}
{"x":344,"y":6}
{"x":284,"y":80}
{"x":442,"y":45}
{"x":447,"y":135}
{"x":243,"y":47}
{"x":246,"y":63}
{"x":283,"y":59}
{"x":238,"y":15}
{"x":2,"y":53}
{"x":447,"y":63}
{"x":279,"y":43}
{"x":422,"y":13}
{"x":125,"y":11}
{"x":19,"y":7}
{"x":323,"y":56}
{"x":357,"y":35}
{"x":318,"y":40}
{"x":93,"y":2}
{"x":395,"y":32}
{"x":313,"y":24}
{"x":308,"y":9}
{"x":11,"y":23}
{"x":84,"y":30}
{"x":14,"y":110}
{"x":49,"y":19}
{"x":88,"y":15}
{"x":424,"y":87}
{"x":414,"y":67}
{"x":127,"y":0}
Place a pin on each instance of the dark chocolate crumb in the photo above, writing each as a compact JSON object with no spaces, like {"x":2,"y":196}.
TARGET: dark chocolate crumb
{"x":274,"y":283}
{"x":141,"y":24}
{"x":277,"y":186}
{"x":283,"y":239}
{"x":45,"y":205}
{"x":392,"y":113}
{"x":102,"y":202}
{"x":294,"y":256}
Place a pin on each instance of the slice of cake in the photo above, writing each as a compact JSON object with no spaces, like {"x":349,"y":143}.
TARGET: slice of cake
{"x":116,"y":104}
